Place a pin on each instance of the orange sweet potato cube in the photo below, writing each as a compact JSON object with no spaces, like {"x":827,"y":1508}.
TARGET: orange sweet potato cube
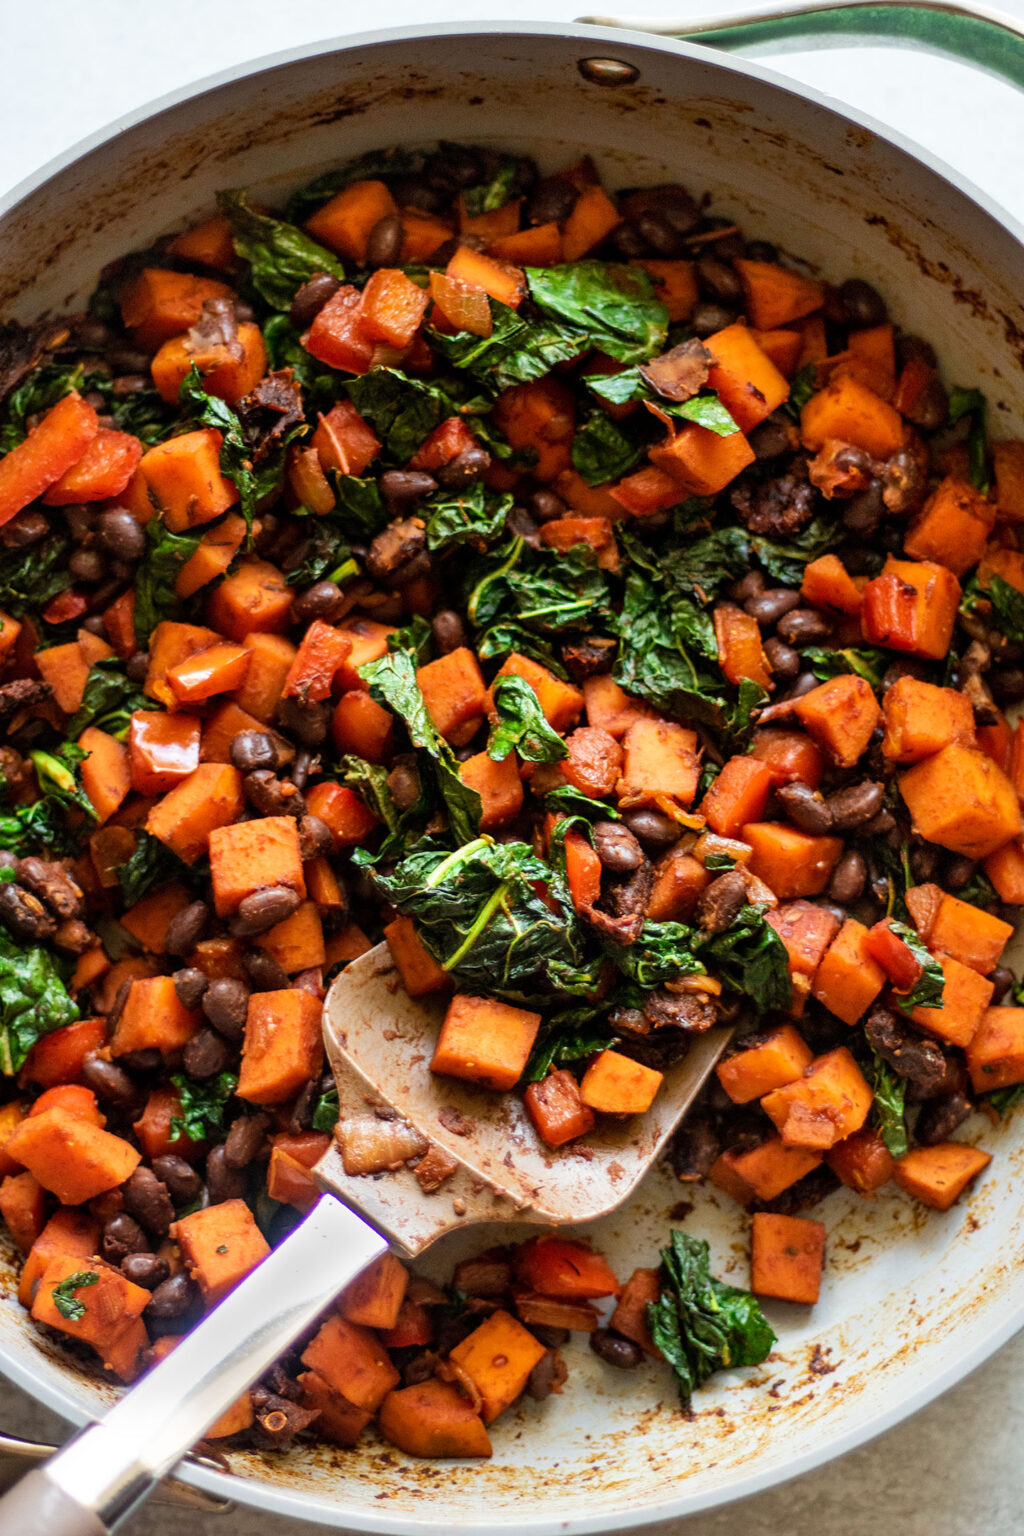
{"x":561,"y":703}
{"x":498,"y":1358}
{"x":455,"y":694}
{"x":830,"y":1101}
{"x":270,"y":660}
{"x":210,"y":797}
{"x":786,"y":1257}
{"x":112,"y":1305}
{"x":921,"y":719}
{"x":609,"y":708}
{"x":937,"y":1175}
{"x":1005,"y":868}
{"x":147,"y":921}
{"x":739,"y":794}
{"x":498,"y":785}
{"x":791,"y":862}
{"x":375,"y":1297}
{"x":254,"y":598}
{"x":220,"y":1245}
{"x":340,"y":1421}
{"x":660,"y":764}
{"x":183,"y":476}
{"x":961,"y":800}
{"x":995,"y":1056}
{"x":69,"y":1233}
{"x":841,"y":715}
{"x":153,"y":1018}
{"x":969,"y":934}
{"x":297,"y":941}
{"x":779,"y":1058}
{"x":862,"y":1162}
{"x":679,"y":879}
{"x":701,"y":462}
{"x":421,"y":975}
{"x":849,"y":978}
{"x":353,"y":1362}
{"x":965,"y":996}
{"x":345,"y":222}
{"x":283,"y":1045}
{"x":615,"y":1085}
{"x":952,"y":527}
{"x":251,"y":854}
{"x":72,"y":1158}
{"x":485,"y":1041}
{"x":763,"y":1172}
{"x":911,"y":606}
{"x":433,"y":1418}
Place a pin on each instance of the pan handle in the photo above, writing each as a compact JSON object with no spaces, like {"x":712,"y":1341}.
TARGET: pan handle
{"x":976,"y":34}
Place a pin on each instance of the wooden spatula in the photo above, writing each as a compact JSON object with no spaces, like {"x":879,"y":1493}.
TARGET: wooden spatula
{"x":380,"y":1043}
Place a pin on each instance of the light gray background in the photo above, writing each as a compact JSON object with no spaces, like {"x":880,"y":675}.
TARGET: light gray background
{"x":70,"y":66}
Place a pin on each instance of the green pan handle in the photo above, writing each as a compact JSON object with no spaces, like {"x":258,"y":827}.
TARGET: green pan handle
{"x":989,"y":39}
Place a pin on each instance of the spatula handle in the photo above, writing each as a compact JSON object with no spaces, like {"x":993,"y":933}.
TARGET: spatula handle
{"x":91,"y":1485}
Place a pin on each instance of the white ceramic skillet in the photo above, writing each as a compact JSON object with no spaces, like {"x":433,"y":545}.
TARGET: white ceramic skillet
{"x":913,"y":1300}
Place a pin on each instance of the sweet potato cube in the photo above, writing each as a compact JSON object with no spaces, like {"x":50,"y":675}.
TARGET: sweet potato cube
{"x":153,"y":1018}
{"x":841,"y":715}
{"x":69,"y":1233}
{"x":297,"y":942}
{"x":862,"y":1162}
{"x":921,"y":719}
{"x":70,"y":1157}
{"x":112,"y":1303}
{"x":432,"y":1419}
{"x":679,"y":879}
{"x":159,"y":303}
{"x":806,"y":931}
{"x":421,"y":975}
{"x":849,"y":978}
{"x":498,"y":785}
{"x":1005,"y":868}
{"x":740,"y":652}
{"x":744,"y":377}
{"x":283,"y":1045}
{"x":739,"y":794}
{"x":106,"y":774}
{"x":937,"y":1175}
{"x":345,"y":222}
{"x":995,"y":1055}
{"x":791,"y":862}
{"x":219,"y":730}
{"x":661,"y":765}
{"x":350,"y":819}
{"x":340,"y":1421}
{"x":965,"y":996}
{"x":826,"y":583}
{"x":630,"y":1316}
{"x":218,"y":670}
{"x":775,"y":296}
{"x":23,"y":1207}
{"x":363,"y":727}
{"x":485,"y":1041}
{"x":147,"y":921}
{"x":615,"y":1085}
{"x":270,"y":658}
{"x":911,"y":606}
{"x":240,"y":1416}
{"x":557,"y":1110}
{"x":952,"y":527}
{"x":969,"y":934}
{"x":498,"y":1358}
{"x":220,"y":1245}
{"x":321,"y":652}
{"x":961,"y":800}
{"x":763,"y":1172}
{"x":183,"y":477}
{"x":790,"y":755}
{"x":786,"y":1257}
{"x":848,"y":410}
{"x":561,"y":703}
{"x":251,"y":854}
{"x":374,"y":1298}
{"x":455,"y":694}
{"x":53,"y":446}
{"x":255,"y":598}
{"x":700,"y":462}
{"x":353,"y":1362}
{"x":369,"y":643}
{"x":830,"y":1101}
{"x":780,"y":1058}
{"x":171,"y":643}
{"x":209,"y":798}
{"x":609,"y":708}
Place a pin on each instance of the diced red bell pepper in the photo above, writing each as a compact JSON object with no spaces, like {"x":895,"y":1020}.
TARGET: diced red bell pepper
{"x":336,"y":336}
{"x":320,"y":654}
{"x":582,"y":870}
{"x":559,"y":1266}
{"x":349,"y":818}
{"x":450,"y":438}
{"x":344,"y":441}
{"x":58,"y":1057}
{"x":65,"y":607}
{"x":893,"y":955}
{"x":163,"y":749}
{"x":104,"y":469}
{"x":51,"y":448}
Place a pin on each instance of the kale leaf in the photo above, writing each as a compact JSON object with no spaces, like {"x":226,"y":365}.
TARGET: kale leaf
{"x":361,"y":511}
{"x":370,"y":782}
{"x":869,"y":662}
{"x":927,"y":989}
{"x":750,"y":958}
{"x":889,"y":1114}
{"x":151,"y":863}
{"x":570,"y":1036}
{"x":1007,"y":604}
{"x":506,"y":636}
{"x":521,"y":725}
{"x":601,"y":451}
{"x":785,"y":560}
{"x":327,"y":552}
{"x":33,"y":1001}
{"x":325,"y":1115}
{"x":474,"y":517}
{"x":1003,"y":1100}
{"x":573,"y":802}
{"x":252,"y":482}
{"x":662,"y":952}
{"x":281,"y":258}
{"x":804,"y":385}
{"x":700,"y":1324}
{"x":43,"y":824}
{"x":544,"y":590}
{"x":972,"y":404}
{"x":320,"y":384}
{"x":403,"y":411}
{"x":495,"y":192}
{"x":38,"y":391}
{"x":516,"y":351}
{"x":30,"y":577}
{"x":612,"y":304}
{"x":64,"y":1298}
{"x":156,"y":597}
{"x":202,"y":1105}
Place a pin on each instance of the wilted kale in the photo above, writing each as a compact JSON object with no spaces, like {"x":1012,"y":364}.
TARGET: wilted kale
{"x":392,"y":681}
{"x":927,"y":989}
{"x":544,"y":590}
{"x":804,"y":385}
{"x":1003,"y":1100}
{"x":156,"y":597}
{"x":325,"y":1115}
{"x":33,"y":1001}
{"x":30,"y":577}
{"x":1006,"y":602}
{"x":785,"y":559}
{"x":516,"y":351}
{"x":38,"y":391}
{"x":479,"y":913}
{"x":748,"y":956}
{"x":868,"y":662}
{"x":503,"y":183}
{"x":281,"y":258}
{"x":474,"y":517}
{"x":43,"y":825}
{"x":700,"y":1324}
{"x":506,"y":636}
{"x":573,"y":802}
{"x":403,"y":411}
{"x":601,"y":451}
{"x":370,"y":782}
{"x":251,"y":481}
{"x":888,"y":1109}
{"x":972,"y":404}
{"x":613,"y":305}
{"x":202,"y":1105}
{"x":569,"y":1036}
{"x":64,"y":1298}
{"x":631,"y":385}
{"x":151,"y":863}
{"x":521,"y":725}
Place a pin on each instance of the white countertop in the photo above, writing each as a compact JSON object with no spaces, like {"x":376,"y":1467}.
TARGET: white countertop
{"x":73,"y":65}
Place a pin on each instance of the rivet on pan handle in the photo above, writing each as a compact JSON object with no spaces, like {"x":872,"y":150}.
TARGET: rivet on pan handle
{"x":608,"y":72}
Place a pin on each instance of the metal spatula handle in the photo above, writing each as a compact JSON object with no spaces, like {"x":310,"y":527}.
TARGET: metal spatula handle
{"x":91,"y":1485}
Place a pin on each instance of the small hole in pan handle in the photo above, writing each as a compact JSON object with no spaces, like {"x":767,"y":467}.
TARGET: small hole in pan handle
{"x":608,"y":72}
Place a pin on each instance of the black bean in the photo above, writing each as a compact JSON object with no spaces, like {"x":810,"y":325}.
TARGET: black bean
{"x":932,"y":410}
{"x":552,"y":201}
{"x":122,"y":1235}
{"x":122,"y":535}
{"x":172,"y":1297}
{"x":522,"y":526}
{"x":94,"y":625}
{"x":959,"y":871}
{"x":306,"y":719}
{"x":301,"y":1118}
{"x":761,"y":250}
{"x":117,"y":1007}
{"x":880,"y":826}
{"x":653,"y":828}
{"x":129,"y":384}
{"x":939,"y":1118}
{"x":863,"y":304}
{"x":616,"y":846}
{"x":108,"y":1081}
{"x":1002,"y":979}
{"x":245,"y":1138}
{"x":253,"y":750}
{"x":401,"y":487}
{"x":806,"y":808}
{"x":924,"y":862}
{"x":226,"y":1005}
{"x":310,"y":299}
{"x":272,"y":796}
{"x":848,"y":878}
{"x":771,"y":437}
{"x":137,"y":666}
{"x":315,"y":837}
{"x":147,"y":1196}
{"x":784,"y":661}
{"x":323,"y":600}
{"x":804,"y":626}
{"x":541,"y":1381}
{"x":87,"y":565}
{"x":186,"y":928}
{"x":464,"y":469}
{"x":223,"y":1181}
{"x":1007,"y":684}
{"x":264,"y":972}
{"x":145,"y":1269}
{"x":628,"y":241}
{"x":769,"y":606}
{"x":720,"y":902}
{"x":206,"y":1054}
{"x":25,"y":914}
{"x":264,"y":909}
{"x":384,"y":244}
{"x":190,"y":984}
{"x":447,"y":631}
{"x":748,"y":586}
{"x":720,"y":280}
{"x":24,"y":530}
{"x":615,"y":1350}
{"x":545,"y":506}
{"x":181,"y":1179}
{"x":404,"y":784}
{"x":709,"y":318}
{"x":853,"y":806}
